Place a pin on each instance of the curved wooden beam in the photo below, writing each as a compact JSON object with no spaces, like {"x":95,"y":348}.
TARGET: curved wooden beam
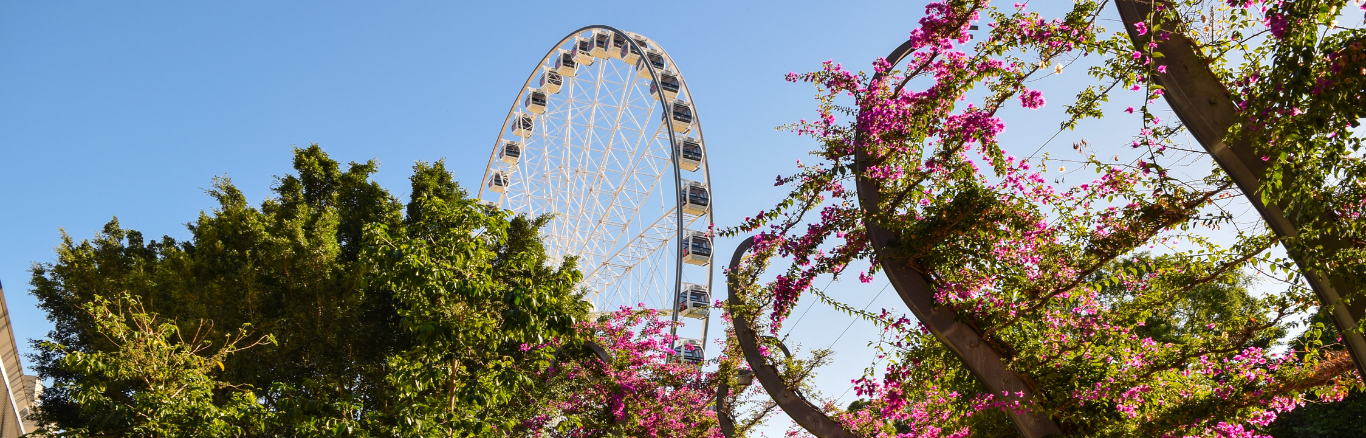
{"x":965,"y":340}
{"x":723,"y":407}
{"x":723,"y":414}
{"x":799,"y":408}
{"x":1204,"y":105}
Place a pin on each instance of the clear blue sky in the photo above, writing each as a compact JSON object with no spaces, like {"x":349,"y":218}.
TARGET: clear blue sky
{"x":128,"y":109}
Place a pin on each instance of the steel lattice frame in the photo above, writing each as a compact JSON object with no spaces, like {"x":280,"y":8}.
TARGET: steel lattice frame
{"x":601,"y":159}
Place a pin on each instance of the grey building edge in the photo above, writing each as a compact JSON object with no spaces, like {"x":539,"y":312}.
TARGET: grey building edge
{"x":21,"y":391}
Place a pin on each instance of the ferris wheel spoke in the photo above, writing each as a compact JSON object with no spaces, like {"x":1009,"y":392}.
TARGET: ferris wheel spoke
{"x":628,"y":150}
{"x":646,"y":282}
{"x":647,"y":243}
{"x":588,"y":223}
{"x":621,"y":196}
{"x":661,"y":229}
{"x":577,"y":192}
{"x":627,"y":198}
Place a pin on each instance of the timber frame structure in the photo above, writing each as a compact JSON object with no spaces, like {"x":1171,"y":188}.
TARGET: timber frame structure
{"x":963,"y":338}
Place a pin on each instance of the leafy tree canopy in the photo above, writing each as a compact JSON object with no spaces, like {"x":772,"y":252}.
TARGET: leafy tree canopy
{"x":332,"y":308}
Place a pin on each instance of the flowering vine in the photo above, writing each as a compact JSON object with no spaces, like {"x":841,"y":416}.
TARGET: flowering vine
{"x":1075,"y":284}
{"x":642,"y":390}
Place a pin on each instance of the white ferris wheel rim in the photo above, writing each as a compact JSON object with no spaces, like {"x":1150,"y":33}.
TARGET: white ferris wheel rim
{"x":673,"y":137}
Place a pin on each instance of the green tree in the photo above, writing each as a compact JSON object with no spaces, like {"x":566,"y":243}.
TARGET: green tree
{"x":165,"y":379}
{"x":1346,"y":417}
{"x":386,"y":318}
{"x":288,"y":268}
{"x":1223,"y":300}
{"x":1322,"y":417}
{"x":475,"y":293}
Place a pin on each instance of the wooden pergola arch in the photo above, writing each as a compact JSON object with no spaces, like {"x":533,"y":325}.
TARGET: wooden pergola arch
{"x":1206,"y":107}
{"x":802,"y":411}
{"x":1203,"y":104}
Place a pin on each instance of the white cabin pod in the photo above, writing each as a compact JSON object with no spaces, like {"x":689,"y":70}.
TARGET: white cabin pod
{"x":689,"y":351}
{"x":535,"y":101}
{"x":695,"y":198}
{"x":689,"y":152}
{"x":583,"y":51}
{"x":498,"y":182}
{"x":656,"y":60}
{"x":592,"y":307}
{"x":745,"y":378}
{"x":551,"y":81}
{"x":680,"y":115}
{"x":668,"y":81}
{"x":696,"y":248}
{"x":630,"y":54}
{"x":490,"y":208}
{"x":523,"y":124}
{"x":602,"y":44}
{"x":510,"y":152}
{"x":617,"y":43}
{"x":565,"y":64}
{"x":694,"y":301}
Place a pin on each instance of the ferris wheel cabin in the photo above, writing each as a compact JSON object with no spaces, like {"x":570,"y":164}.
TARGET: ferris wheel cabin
{"x":695,"y":198}
{"x":668,"y":81}
{"x":489,"y":208}
{"x":696,"y":248}
{"x":498,"y":182}
{"x":689,"y":351}
{"x":510,"y":152}
{"x":617,"y":43}
{"x":689,"y":152}
{"x":583,"y":51}
{"x":602,"y":44}
{"x":656,"y":60}
{"x":565,"y":64}
{"x":535,"y":101}
{"x":523,"y":124}
{"x":693,"y":301}
{"x":630,"y":54}
{"x":681,"y":116}
{"x":551,"y":81}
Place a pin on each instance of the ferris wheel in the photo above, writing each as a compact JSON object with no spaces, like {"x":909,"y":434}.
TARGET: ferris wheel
{"x":605,"y":136}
